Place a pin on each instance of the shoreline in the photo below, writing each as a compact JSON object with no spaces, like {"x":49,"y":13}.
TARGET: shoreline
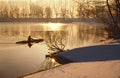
{"x":53,"y":20}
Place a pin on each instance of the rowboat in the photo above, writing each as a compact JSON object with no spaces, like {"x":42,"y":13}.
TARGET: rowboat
{"x":32,"y":41}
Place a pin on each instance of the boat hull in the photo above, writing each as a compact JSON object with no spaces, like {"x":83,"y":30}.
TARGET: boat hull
{"x":32,"y":41}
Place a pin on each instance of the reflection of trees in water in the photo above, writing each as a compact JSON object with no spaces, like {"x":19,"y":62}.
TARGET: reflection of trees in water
{"x":89,"y":34}
{"x":38,"y":34}
{"x":8,"y":31}
{"x":84,"y":35}
{"x":55,"y":40}
{"x":74,"y":35}
{"x":20,"y":31}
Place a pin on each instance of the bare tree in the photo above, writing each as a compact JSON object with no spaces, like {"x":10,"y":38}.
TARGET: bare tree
{"x":71,"y":11}
{"x":5,"y":12}
{"x":55,"y":40}
{"x":37,"y":11}
{"x":86,"y":9}
{"x":114,"y":27}
{"x":64,"y":12}
{"x":40,"y":12}
{"x":15,"y":12}
{"x":32,"y":10}
{"x":25,"y":12}
{"x":56,"y":9}
{"x":48,"y":12}
{"x":117,"y":9}
{"x":82,"y":9}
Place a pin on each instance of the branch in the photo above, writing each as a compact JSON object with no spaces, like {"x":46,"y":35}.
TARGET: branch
{"x":107,"y":1}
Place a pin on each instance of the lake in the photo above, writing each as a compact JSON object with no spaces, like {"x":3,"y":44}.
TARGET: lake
{"x":20,"y":59}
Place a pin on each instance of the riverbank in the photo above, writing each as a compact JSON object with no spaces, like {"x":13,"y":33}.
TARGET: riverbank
{"x":92,"y":53}
{"x":100,"y":61}
{"x":45,"y":20}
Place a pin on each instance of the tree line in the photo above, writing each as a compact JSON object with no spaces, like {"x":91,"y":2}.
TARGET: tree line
{"x":87,"y":9}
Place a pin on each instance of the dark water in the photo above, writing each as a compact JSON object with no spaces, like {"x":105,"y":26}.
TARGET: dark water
{"x":18,"y":59}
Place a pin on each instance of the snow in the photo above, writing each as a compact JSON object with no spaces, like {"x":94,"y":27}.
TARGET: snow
{"x":93,"y":53}
{"x":104,"y":69}
{"x":100,"y":61}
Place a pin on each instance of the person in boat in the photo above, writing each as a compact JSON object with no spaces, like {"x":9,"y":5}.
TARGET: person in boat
{"x":29,"y":41}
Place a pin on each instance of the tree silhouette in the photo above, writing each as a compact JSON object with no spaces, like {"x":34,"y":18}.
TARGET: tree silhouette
{"x":48,"y":12}
{"x":114,"y":27}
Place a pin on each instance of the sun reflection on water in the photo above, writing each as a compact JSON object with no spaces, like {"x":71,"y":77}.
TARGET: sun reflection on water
{"x":53,"y":26}
{"x":53,"y":60}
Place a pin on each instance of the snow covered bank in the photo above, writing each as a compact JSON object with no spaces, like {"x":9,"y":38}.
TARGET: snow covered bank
{"x":104,"y":69}
{"x":93,"y":53}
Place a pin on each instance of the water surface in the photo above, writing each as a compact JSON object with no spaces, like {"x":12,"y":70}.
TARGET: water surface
{"x":18,"y":59}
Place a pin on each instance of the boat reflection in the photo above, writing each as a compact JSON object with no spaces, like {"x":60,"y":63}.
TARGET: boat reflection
{"x":30,"y":44}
